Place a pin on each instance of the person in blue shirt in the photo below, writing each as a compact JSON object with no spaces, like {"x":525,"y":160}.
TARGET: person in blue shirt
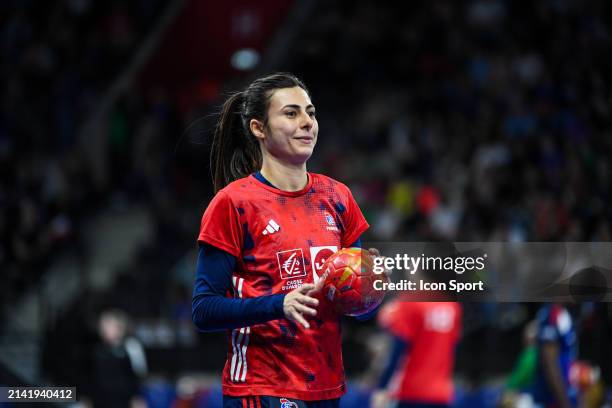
{"x":556,"y":345}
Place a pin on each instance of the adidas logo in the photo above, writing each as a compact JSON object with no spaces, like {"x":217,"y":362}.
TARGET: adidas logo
{"x":271,"y":228}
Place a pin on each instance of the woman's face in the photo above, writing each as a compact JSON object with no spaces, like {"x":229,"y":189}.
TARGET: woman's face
{"x":292,"y":128}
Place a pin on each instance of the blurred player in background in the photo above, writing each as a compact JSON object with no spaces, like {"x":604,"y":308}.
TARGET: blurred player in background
{"x":556,"y":344}
{"x":520,"y":381}
{"x":119,"y":364}
{"x":262,"y":240}
{"x":420,"y":368}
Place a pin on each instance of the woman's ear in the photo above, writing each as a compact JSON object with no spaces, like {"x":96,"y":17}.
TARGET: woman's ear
{"x":257,"y":128}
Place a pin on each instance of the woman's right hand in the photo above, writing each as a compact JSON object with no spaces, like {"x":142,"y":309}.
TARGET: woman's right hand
{"x":297,"y":304}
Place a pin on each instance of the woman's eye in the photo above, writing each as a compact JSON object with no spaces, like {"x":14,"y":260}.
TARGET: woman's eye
{"x":312,"y":114}
{"x":290,"y":114}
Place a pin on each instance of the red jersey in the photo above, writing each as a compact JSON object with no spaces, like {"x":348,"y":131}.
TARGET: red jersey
{"x":280,"y":240}
{"x":432,"y":330}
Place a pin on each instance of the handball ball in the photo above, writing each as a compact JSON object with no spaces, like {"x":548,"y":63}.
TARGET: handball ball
{"x":349,"y":282}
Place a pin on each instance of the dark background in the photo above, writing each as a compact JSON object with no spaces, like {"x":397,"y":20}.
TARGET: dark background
{"x":450,"y":120}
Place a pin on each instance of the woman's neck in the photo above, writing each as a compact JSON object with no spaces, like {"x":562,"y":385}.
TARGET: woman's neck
{"x":284,"y":176}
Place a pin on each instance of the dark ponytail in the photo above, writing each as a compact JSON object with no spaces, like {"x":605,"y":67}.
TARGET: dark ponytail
{"x":235,"y":152}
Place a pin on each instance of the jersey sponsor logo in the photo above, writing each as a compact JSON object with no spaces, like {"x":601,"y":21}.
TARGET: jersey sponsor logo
{"x":271,"y":228}
{"x":285,"y":403}
{"x":292,"y":284}
{"x":291,"y":263}
{"x":318,"y":256}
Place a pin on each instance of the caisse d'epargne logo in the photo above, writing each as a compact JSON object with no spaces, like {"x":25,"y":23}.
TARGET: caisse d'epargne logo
{"x":291,"y":263}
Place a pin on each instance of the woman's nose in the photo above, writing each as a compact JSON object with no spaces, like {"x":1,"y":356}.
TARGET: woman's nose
{"x":307,"y":121}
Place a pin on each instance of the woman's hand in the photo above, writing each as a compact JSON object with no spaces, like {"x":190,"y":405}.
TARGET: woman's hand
{"x":298,"y":303}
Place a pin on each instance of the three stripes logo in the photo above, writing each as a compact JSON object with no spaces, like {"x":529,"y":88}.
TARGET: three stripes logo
{"x":240,"y":341}
{"x":271,"y":228}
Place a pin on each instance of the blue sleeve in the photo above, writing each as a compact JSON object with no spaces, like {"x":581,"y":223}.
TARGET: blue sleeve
{"x":211,"y":310}
{"x":398,"y":349}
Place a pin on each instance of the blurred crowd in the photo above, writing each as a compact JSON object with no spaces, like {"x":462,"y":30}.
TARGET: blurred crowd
{"x":57,"y":60}
{"x":479,"y":120}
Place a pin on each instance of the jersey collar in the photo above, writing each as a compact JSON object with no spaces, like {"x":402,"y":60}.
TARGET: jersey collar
{"x":275,"y":190}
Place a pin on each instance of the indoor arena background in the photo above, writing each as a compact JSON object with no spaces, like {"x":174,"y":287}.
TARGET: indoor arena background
{"x":485,"y":120}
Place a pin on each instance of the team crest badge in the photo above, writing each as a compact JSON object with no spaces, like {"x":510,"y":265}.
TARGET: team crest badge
{"x":331,"y":222}
{"x":285,"y":403}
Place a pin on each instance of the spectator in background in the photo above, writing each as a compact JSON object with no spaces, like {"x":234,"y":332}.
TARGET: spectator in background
{"x":119,"y":364}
